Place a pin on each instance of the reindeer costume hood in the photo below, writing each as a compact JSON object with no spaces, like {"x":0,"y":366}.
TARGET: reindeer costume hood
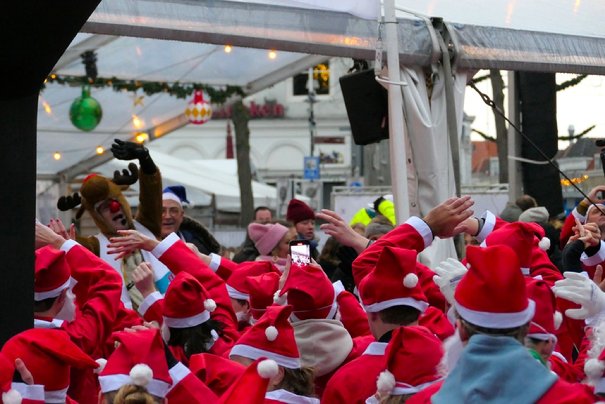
{"x":96,"y":189}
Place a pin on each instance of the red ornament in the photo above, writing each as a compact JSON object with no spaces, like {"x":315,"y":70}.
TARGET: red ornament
{"x":198,"y":110}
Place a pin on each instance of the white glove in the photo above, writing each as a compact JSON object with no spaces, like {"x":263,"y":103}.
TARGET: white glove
{"x":579,"y":289}
{"x":449,"y":273}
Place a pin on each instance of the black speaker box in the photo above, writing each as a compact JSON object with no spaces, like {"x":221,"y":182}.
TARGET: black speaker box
{"x":367,"y":107}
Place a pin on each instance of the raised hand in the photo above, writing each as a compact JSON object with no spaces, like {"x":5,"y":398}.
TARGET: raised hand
{"x":579,"y":289}
{"x":124,"y":150}
{"x":341,"y":231}
{"x":449,"y":273}
{"x":128,"y":241}
{"x":142,"y":276}
{"x":44,"y":235}
{"x":448,"y":218}
{"x":57,"y":226}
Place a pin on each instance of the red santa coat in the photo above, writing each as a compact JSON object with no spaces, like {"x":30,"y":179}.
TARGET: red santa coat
{"x":98,"y":294}
{"x":175,"y":254}
{"x":414,"y":234}
{"x":352,"y":315}
{"x":356,"y":381}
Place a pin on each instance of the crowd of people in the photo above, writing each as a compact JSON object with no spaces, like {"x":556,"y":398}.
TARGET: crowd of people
{"x":150,"y":311}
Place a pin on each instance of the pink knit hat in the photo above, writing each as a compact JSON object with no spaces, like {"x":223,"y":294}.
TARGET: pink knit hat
{"x":266,"y":236}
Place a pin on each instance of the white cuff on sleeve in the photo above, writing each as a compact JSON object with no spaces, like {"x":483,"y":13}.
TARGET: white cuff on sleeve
{"x":165,"y":245}
{"x":488,"y":226}
{"x":594,"y":259}
{"x":578,"y":216}
{"x":67,"y":245}
{"x":149,"y":301}
{"x":215,"y":261}
{"x":422,"y":228}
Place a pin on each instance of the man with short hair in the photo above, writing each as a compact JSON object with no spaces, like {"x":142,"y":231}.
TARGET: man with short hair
{"x":493,"y":313}
{"x":247,"y":251}
{"x":188,"y":229}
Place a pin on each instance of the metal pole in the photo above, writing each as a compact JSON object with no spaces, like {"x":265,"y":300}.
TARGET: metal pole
{"x":515,"y":174}
{"x":396,"y":123}
{"x":311,"y":100}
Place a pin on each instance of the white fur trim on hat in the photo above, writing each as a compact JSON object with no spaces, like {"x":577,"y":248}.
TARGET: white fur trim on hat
{"x":271,"y":333}
{"x":248,"y":351}
{"x":102,"y":362}
{"x":594,"y":368}
{"x":267,"y":368}
{"x":410,"y":281}
{"x":141,"y":374}
{"x":210,"y":305}
{"x":187,"y":322}
{"x":386,"y":383}
{"x":169,"y":196}
{"x":402,"y":301}
{"x":497,"y":320}
{"x":558,"y":319}
{"x":544,"y":244}
{"x":12,"y":397}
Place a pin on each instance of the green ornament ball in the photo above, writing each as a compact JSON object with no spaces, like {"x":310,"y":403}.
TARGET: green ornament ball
{"x":85,"y":112}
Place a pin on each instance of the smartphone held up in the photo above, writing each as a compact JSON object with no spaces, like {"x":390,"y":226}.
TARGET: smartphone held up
{"x":300,"y":252}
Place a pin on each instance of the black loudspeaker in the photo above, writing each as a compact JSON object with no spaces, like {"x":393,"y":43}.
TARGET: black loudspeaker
{"x":367,"y":106}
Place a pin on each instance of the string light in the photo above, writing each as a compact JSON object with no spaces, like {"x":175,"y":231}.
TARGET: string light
{"x":100,"y":150}
{"x":137,"y":122}
{"x":272,"y":54}
{"x":575,"y":180}
{"x":47,"y":107}
{"x":228,"y":48}
{"x":57,"y":155}
{"x":141,"y":137}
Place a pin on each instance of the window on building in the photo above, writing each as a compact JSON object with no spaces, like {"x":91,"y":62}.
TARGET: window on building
{"x":321,"y":80}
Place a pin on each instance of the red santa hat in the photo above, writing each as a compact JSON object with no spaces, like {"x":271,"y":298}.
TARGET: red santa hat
{"x":546,"y":319}
{"x":216,"y":372}
{"x":270,"y":337}
{"x":266,"y":236}
{"x":492,"y":294}
{"x":594,"y":369}
{"x":17,"y":393}
{"x":52,"y":274}
{"x":393,"y":282}
{"x":412,"y":357}
{"x":139,"y":359}
{"x":522,"y":237}
{"x":252,"y":385}
{"x":49,"y":355}
{"x":310,"y":293}
{"x":299,"y":211}
{"x":236,"y":284}
{"x":186,"y":303}
{"x":262,"y":290}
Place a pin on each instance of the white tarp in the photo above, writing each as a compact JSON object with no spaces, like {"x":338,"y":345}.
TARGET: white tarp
{"x":431,"y":178}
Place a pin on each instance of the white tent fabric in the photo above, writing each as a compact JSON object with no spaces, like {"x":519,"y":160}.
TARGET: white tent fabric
{"x":431,"y":178}
{"x":202,"y":182}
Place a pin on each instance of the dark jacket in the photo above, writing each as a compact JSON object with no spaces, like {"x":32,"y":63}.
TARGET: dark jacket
{"x":194,"y":232}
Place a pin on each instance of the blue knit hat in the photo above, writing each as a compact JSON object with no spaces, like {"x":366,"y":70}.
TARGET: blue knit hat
{"x":175,"y":193}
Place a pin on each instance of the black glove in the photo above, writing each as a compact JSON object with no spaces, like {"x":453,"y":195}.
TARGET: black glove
{"x":68,"y":202}
{"x":130,"y":150}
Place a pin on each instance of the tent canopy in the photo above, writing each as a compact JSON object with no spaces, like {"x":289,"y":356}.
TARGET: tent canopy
{"x":137,"y":39}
